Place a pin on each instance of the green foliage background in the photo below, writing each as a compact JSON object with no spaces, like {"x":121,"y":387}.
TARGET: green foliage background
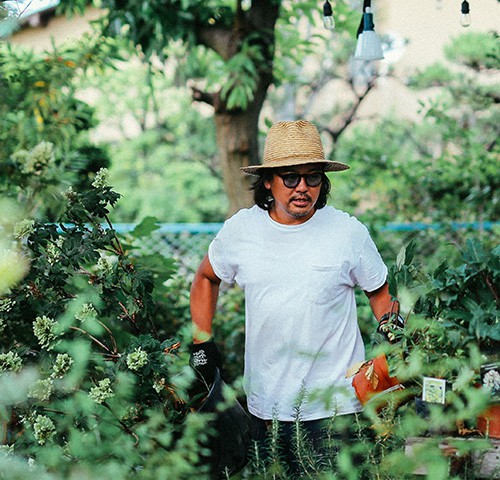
{"x":167,"y":164}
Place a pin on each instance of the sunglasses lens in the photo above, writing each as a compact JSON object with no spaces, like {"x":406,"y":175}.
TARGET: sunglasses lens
{"x":291,"y":180}
{"x":313,"y":179}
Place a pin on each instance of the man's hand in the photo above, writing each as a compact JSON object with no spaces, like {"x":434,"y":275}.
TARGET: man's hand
{"x":205,"y":359}
{"x":391,"y":326}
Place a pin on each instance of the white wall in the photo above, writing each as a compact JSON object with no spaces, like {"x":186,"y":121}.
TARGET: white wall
{"x":425,"y":29}
{"x":59,"y":29}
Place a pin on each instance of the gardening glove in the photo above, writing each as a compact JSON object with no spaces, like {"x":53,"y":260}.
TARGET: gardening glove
{"x":205,"y":360}
{"x":391,"y":326}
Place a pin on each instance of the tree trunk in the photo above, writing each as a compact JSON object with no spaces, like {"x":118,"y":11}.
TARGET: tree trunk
{"x":237,"y":134}
{"x":236,"y":141}
{"x":237,"y":131}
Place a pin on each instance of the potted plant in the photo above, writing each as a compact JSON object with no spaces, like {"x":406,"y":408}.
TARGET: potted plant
{"x":488,"y":422}
{"x":452,"y":337}
{"x":452,"y":328}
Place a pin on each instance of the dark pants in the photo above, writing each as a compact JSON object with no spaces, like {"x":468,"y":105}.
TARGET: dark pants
{"x":298,"y":446}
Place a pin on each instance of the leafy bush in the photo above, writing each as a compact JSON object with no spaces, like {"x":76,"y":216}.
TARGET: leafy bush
{"x":43,"y":123}
{"x":452,"y":315}
{"x":466,"y":297}
{"x":98,"y":390}
{"x":442,"y":168}
{"x":476,"y":50}
{"x":151,"y":145}
{"x":435,"y":75}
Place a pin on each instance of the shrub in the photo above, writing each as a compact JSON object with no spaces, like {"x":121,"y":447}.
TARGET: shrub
{"x":101,"y":392}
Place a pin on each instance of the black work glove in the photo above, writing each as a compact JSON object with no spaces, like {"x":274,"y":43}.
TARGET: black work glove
{"x":391,"y":326}
{"x":205,"y":360}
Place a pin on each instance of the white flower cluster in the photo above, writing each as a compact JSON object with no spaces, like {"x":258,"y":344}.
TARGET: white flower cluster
{"x":491,"y":380}
{"x":6,"y":304}
{"x":131,"y":412}
{"x":137,"y":359}
{"x":62,"y":365}
{"x":159,"y":384}
{"x":104,"y":266}
{"x":37,"y":160}
{"x":54,"y":251}
{"x":7,"y":450}
{"x":44,"y":329}
{"x":44,"y":428}
{"x":70,"y":195}
{"x":101,"y":178}
{"x":24,"y":228}
{"x":42,"y":390}
{"x":10,"y":361}
{"x":102,"y":391}
{"x":87,"y":312}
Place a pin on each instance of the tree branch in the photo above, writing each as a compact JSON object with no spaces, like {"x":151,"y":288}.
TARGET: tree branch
{"x":201,"y":96}
{"x":491,"y":145}
{"x":263,"y":14}
{"x":219,"y":39}
{"x":92,"y":338}
{"x":213,"y":99}
{"x":351,"y":113}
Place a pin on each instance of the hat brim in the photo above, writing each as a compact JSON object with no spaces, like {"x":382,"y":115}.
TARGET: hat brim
{"x":330,"y":166}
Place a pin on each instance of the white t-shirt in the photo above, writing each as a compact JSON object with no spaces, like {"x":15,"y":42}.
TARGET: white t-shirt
{"x":301,"y":324}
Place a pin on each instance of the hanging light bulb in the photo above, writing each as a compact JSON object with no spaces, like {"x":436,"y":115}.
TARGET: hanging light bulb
{"x":368,"y":46}
{"x":465,"y":16}
{"x":328,"y":20}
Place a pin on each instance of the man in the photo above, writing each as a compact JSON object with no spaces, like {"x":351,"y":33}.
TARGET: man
{"x":298,"y":262}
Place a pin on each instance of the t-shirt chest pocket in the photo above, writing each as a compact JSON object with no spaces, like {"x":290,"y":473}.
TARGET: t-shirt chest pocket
{"x":323,"y":282}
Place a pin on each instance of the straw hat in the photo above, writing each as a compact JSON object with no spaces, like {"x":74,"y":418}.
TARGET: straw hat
{"x":294,"y":143}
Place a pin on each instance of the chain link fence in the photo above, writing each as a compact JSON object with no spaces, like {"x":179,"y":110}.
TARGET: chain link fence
{"x":187,"y":243}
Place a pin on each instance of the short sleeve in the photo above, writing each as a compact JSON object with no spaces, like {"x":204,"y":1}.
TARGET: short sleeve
{"x":218,"y":255}
{"x":370,"y":272}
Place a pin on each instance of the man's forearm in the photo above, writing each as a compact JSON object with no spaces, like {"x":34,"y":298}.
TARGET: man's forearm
{"x":203,"y":301}
{"x":386,"y":311}
{"x":381,"y":302}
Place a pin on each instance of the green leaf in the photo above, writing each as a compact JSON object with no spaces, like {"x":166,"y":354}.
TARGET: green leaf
{"x":160,"y":267}
{"x":474,"y":252}
{"x":145,"y":228}
{"x":401,"y":257}
{"x":410,"y":252}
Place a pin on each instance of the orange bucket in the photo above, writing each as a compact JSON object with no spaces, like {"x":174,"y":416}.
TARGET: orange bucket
{"x":488,"y":423}
{"x":372,"y":378}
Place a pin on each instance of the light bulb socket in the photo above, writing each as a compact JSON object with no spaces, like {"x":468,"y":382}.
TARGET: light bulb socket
{"x":368,"y":24}
{"x":465,"y":7}
{"x":327,"y":9}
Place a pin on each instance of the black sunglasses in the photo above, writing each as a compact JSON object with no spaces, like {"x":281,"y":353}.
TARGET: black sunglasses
{"x":291,"y":180}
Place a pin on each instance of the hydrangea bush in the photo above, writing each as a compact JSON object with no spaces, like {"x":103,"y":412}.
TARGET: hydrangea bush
{"x":106,"y":395}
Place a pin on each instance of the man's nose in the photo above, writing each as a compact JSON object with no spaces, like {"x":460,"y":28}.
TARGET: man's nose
{"x":302,"y":186}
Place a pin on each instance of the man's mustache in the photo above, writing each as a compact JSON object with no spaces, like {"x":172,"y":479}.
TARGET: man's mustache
{"x":300,"y":197}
